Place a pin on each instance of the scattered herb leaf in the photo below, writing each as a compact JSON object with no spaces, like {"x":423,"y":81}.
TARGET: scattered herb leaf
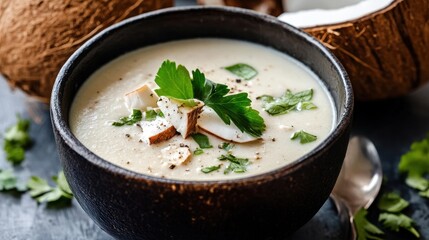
{"x":395,"y":222}
{"x":202,"y":140}
{"x":242,"y":70}
{"x":226,"y":146}
{"x":415,"y":163}
{"x":364,"y":228}
{"x":234,"y":107}
{"x":8,"y":181}
{"x":151,"y":115}
{"x":304,"y":137}
{"x":43,"y":192}
{"x":288,"y":102}
{"x":176,"y":83}
{"x":198,"y":151}
{"x":237,"y":165}
{"x":210,"y":169}
{"x":392,"y":202}
{"x":16,"y":140}
{"x":135,"y":117}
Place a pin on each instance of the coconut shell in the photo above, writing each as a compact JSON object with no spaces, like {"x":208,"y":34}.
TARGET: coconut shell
{"x":37,"y":36}
{"x":385,"y":53}
{"x":273,"y":7}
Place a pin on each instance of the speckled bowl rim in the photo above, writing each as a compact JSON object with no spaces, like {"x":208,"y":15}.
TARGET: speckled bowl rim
{"x":60,"y":123}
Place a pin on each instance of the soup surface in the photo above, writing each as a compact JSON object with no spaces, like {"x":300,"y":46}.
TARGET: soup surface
{"x":100,"y":102}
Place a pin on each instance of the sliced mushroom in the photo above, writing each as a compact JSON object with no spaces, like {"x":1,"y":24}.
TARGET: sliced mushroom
{"x":211,"y":123}
{"x":183,"y":118}
{"x":176,"y":155}
{"x":156,"y":131}
{"x":141,"y":98}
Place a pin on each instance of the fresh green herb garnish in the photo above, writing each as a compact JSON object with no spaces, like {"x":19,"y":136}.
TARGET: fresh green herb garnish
{"x":151,"y":115}
{"x":226,"y":146}
{"x":198,"y":151}
{"x":134,"y":118}
{"x":210,"y":169}
{"x":242,"y":70}
{"x":392,"y":202}
{"x":237,"y":165}
{"x":395,"y":222}
{"x":304,"y":137}
{"x":43,"y":192}
{"x":364,"y":228}
{"x":16,"y":140}
{"x":202,"y":140}
{"x":177,"y":84}
{"x":288,"y":102}
{"x":415,"y":163}
{"x":8,"y":181}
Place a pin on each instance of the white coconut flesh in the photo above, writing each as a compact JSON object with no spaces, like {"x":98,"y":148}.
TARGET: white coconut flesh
{"x":211,"y":123}
{"x":312,"y":13}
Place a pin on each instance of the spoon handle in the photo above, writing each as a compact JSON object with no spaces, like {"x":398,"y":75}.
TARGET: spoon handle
{"x":346,"y":217}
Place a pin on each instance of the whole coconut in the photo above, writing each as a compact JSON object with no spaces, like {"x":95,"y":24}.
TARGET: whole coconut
{"x":37,"y":36}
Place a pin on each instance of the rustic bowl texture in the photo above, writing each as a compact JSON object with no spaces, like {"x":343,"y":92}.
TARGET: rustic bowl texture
{"x":129,"y":205}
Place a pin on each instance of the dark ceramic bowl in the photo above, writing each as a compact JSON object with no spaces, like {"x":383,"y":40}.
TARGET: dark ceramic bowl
{"x":130,"y":205}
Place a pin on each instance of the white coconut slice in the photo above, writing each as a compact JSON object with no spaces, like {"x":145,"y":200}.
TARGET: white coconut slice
{"x":156,"y":131}
{"x":183,"y":118}
{"x":211,"y":123}
{"x":176,"y":155}
{"x":383,"y":44}
{"x":141,"y":98}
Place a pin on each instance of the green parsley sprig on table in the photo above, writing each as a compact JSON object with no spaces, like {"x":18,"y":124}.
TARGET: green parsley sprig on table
{"x":364,"y":228}
{"x":16,"y":140}
{"x":175,"y":82}
{"x":8,"y":181}
{"x":43,"y":192}
{"x":415,"y":163}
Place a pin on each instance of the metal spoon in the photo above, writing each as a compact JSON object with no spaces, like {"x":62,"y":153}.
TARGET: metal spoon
{"x":359,"y":181}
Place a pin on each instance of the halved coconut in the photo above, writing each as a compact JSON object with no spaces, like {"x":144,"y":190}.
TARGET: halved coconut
{"x":156,"y":131}
{"x":141,"y":98}
{"x":211,"y":123}
{"x":273,"y":7}
{"x":183,"y":118}
{"x":383,"y":44}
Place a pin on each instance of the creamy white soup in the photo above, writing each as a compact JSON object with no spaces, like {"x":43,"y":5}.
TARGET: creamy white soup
{"x":100,"y":102}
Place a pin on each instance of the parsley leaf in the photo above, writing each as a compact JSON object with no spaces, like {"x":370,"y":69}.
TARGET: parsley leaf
{"x":8,"y":181}
{"x":226,"y":146}
{"x":288,"y":102}
{"x":198,"y":151}
{"x":202,"y":140}
{"x":395,"y":222}
{"x":392,"y":202}
{"x":135,"y":117}
{"x":151,"y":115}
{"x":242,"y":70}
{"x":234,"y":107}
{"x":174,"y":82}
{"x":364,"y":228}
{"x":416,"y":164}
{"x":16,"y":140}
{"x":210,"y":169}
{"x":304,"y":137}
{"x":237,"y":165}
{"x":43,"y":192}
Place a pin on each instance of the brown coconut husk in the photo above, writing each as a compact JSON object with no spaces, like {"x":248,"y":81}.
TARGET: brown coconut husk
{"x":385,"y":53}
{"x":273,"y":7}
{"x":37,"y":36}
